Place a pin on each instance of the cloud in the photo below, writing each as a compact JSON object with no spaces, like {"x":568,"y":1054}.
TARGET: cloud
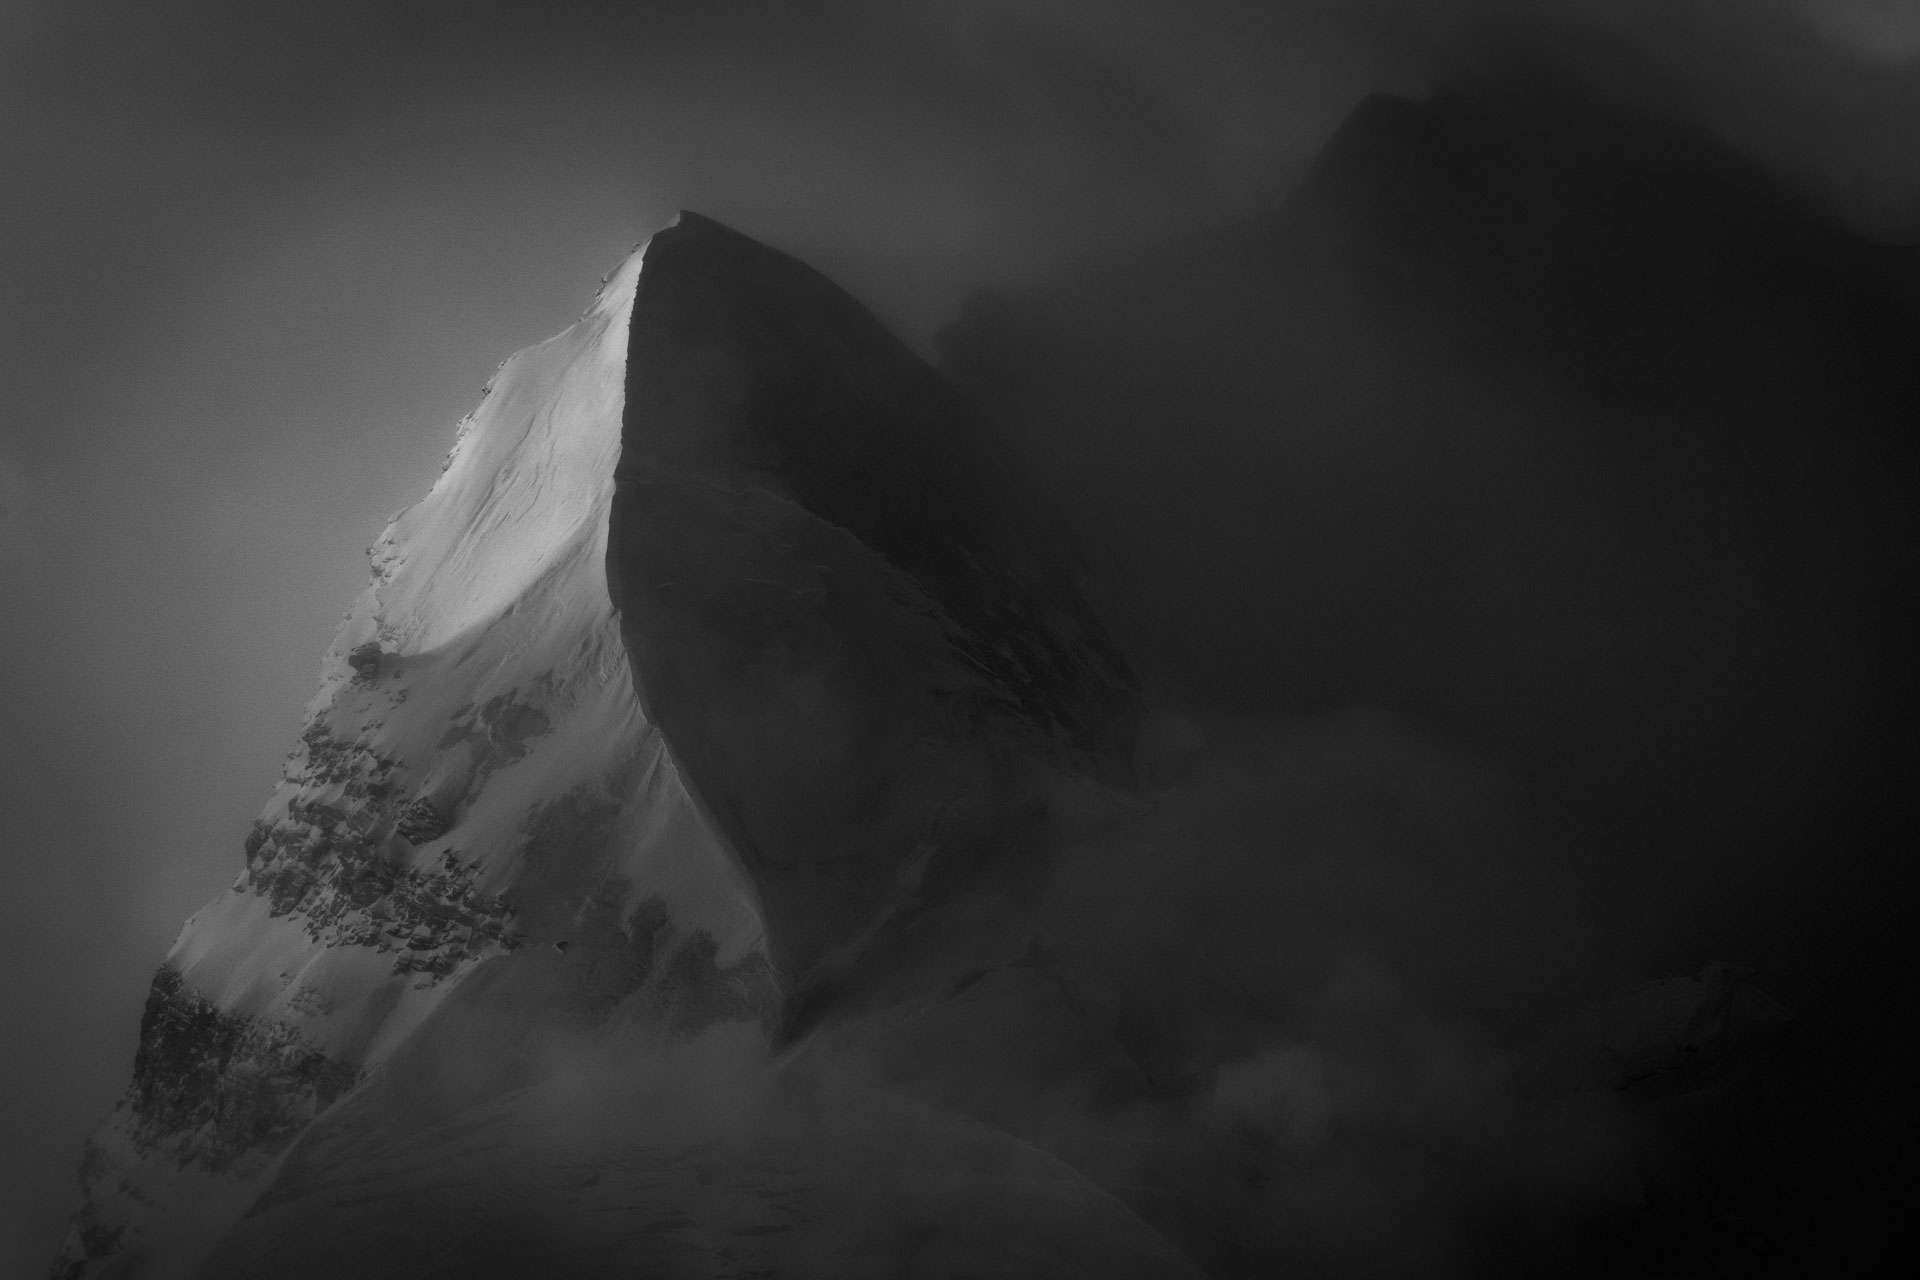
{"x":16,"y":521}
{"x":1884,"y":31}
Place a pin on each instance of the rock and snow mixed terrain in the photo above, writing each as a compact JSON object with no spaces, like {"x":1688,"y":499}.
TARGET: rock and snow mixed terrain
{"x":476,"y":781}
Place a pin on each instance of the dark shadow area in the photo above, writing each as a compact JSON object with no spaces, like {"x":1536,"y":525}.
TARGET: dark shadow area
{"x":1570,"y":438}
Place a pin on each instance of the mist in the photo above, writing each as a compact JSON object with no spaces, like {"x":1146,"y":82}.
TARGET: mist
{"x":262,"y":257}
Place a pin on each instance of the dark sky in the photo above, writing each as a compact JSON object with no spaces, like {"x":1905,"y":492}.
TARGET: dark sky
{"x":260,"y":258}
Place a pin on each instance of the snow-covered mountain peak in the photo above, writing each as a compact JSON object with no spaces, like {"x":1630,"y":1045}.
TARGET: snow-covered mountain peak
{"x":843,"y":674}
{"x":524,"y":494}
{"x":476,"y":776}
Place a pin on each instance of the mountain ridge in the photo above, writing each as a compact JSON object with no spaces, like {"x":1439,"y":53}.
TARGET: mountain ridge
{"x":484,"y":837}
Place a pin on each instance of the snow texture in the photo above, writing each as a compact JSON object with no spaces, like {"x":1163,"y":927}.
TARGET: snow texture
{"x":479,"y":679}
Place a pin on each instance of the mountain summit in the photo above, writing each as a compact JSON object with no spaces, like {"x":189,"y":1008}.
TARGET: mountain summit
{"x":516,"y":810}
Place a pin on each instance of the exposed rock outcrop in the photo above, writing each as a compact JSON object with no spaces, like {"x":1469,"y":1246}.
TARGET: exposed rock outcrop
{"x":365,"y":660}
{"x":420,"y":822}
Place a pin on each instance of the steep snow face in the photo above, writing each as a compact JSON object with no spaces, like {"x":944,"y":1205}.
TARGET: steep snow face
{"x":518,"y":517}
{"x":477,"y":782}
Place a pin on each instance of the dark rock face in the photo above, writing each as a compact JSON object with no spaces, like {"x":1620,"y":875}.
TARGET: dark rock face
{"x":238,"y":1087}
{"x":365,"y":661}
{"x":420,"y":822}
{"x":836,"y":607}
{"x":331,"y":867}
{"x":499,"y":731}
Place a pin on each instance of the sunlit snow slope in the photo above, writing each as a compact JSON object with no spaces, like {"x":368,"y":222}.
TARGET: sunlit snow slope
{"x":476,"y":778}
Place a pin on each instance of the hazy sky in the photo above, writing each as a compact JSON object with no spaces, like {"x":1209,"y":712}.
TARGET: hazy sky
{"x":260,"y":259}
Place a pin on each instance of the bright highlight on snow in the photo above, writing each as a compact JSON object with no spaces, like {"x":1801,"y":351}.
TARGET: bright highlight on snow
{"x":476,"y":724}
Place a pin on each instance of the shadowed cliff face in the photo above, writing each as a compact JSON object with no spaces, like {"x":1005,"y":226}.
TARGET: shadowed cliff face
{"x":861,"y":643}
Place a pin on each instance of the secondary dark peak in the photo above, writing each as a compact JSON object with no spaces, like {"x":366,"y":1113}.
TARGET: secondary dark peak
{"x":842,"y":606}
{"x":1613,"y":242}
{"x":1496,"y":142}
